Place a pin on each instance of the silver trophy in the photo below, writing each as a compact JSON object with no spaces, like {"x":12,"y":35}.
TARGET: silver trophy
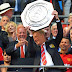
{"x":37,"y":15}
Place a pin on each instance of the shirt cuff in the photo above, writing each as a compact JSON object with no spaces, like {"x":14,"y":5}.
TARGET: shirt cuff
{"x":58,"y":21}
{"x":15,"y":48}
{"x":30,"y":35}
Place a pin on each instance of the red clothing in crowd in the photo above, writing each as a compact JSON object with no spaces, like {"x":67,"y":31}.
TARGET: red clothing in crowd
{"x":1,"y":56}
{"x":67,"y":59}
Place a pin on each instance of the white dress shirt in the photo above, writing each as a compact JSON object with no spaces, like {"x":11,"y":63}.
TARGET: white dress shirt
{"x":20,"y":47}
{"x":48,"y":58}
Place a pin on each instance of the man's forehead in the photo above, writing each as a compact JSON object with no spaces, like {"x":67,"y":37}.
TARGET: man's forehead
{"x":5,"y":17}
{"x":22,"y":29}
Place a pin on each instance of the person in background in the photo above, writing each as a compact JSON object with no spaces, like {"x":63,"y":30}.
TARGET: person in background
{"x":54,"y":30}
{"x":2,"y":60}
{"x":3,"y":34}
{"x":71,"y":35}
{"x":11,"y":30}
{"x":70,"y":25}
{"x":3,"y":39}
{"x":6,"y":10}
{"x":64,"y":31}
{"x":66,"y":57}
{"x":4,"y":21}
{"x":7,"y":59}
{"x":67,"y":4}
{"x":70,"y":49}
{"x":47,"y":31}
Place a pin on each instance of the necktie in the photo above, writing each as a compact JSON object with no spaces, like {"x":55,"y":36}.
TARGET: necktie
{"x":22,"y":52}
{"x":43,"y":55}
{"x":50,"y":1}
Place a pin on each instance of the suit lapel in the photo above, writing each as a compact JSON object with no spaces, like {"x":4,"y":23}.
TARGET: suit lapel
{"x":49,"y":49}
{"x":26,"y":51}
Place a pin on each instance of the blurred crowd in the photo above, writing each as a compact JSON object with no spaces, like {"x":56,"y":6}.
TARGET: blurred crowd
{"x":49,"y":46}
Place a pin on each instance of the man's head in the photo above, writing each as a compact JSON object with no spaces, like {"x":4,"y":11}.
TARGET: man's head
{"x":47,"y":31}
{"x":39,"y":37}
{"x":71,"y":35}
{"x":70,"y":18}
{"x":4,"y":21}
{"x":65,"y":31}
{"x":6,"y":10}
{"x":21,"y":32}
{"x":65,"y":44}
{"x":54,"y":29}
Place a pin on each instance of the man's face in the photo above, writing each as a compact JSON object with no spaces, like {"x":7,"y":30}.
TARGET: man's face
{"x":65,"y":31}
{"x":8,"y":13}
{"x":6,"y":57}
{"x":71,"y":34}
{"x":64,"y":44}
{"x":70,"y":19}
{"x":38,"y":38}
{"x":21,"y":33}
{"x":47,"y":32}
{"x":4,"y":21}
{"x":54,"y":30}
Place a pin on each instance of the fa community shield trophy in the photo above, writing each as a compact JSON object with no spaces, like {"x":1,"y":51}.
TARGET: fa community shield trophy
{"x":37,"y":15}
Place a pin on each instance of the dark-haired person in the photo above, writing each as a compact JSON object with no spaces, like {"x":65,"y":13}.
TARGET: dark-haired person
{"x":66,"y":57}
{"x":2,"y":60}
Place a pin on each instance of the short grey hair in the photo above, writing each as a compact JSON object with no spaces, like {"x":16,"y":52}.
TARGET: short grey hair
{"x":53,"y":25}
{"x":70,"y":15}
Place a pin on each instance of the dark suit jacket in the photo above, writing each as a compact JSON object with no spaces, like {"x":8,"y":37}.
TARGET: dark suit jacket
{"x":15,"y":54}
{"x":15,"y":57}
{"x":3,"y":39}
{"x":52,"y":50}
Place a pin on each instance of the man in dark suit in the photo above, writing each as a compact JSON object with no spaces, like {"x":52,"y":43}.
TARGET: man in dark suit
{"x":51,"y":56}
{"x":14,"y":49}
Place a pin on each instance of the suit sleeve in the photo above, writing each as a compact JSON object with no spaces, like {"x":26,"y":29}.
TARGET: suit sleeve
{"x":4,"y":38}
{"x":10,"y":48}
{"x":31,"y":47}
{"x":59,"y":35}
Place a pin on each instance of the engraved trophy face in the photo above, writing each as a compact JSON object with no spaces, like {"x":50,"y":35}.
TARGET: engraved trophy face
{"x":37,"y":15}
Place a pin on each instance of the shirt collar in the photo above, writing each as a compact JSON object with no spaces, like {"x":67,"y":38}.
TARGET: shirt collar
{"x":54,"y":37}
